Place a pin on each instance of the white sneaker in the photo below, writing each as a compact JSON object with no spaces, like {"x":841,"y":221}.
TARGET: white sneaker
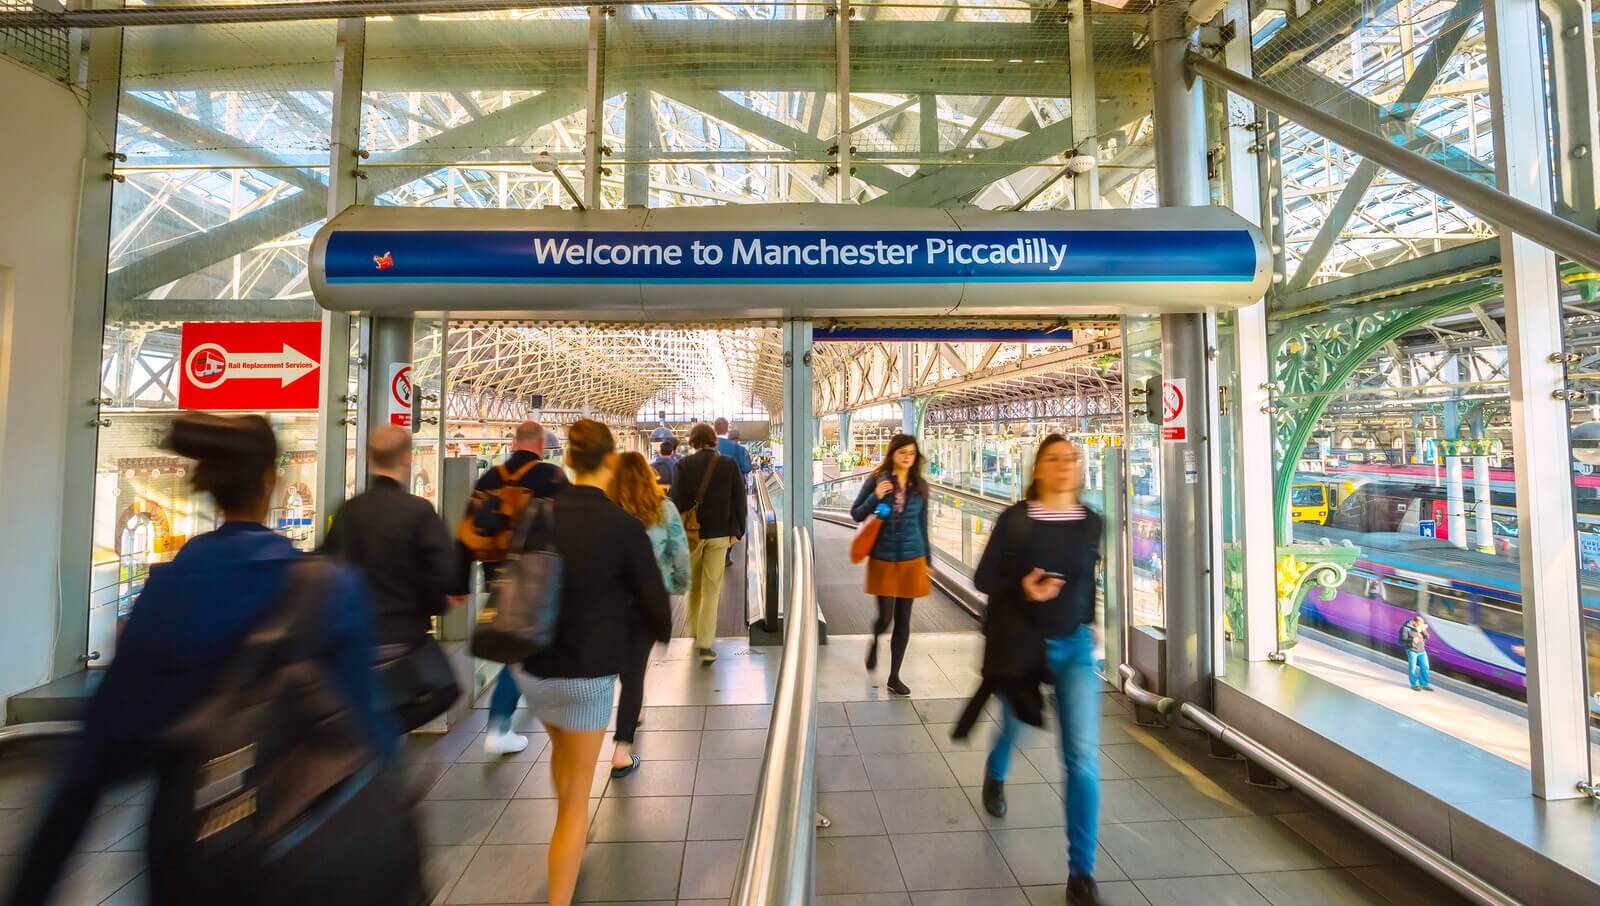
{"x":504,"y":743}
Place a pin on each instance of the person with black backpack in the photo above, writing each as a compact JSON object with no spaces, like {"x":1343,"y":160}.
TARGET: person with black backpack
{"x":243,"y":680}
{"x":484,"y":535}
{"x":1038,"y":571}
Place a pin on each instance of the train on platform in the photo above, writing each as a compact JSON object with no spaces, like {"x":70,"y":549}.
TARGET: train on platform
{"x":1473,"y":600}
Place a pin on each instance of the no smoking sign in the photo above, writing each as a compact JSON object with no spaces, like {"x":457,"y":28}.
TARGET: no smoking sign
{"x":1175,"y":410}
{"x":400,"y":395}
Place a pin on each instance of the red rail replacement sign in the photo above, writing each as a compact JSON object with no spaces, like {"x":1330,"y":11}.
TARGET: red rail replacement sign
{"x":255,"y":366}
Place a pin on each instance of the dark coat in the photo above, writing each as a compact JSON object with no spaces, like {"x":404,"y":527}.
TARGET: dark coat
{"x":904,"y":535}
{"x":608,"y":577}
{"x":187,"y":625}
{"x":403,"y":549}
{"x":725,"y":508}
{"x":1014,"y":630}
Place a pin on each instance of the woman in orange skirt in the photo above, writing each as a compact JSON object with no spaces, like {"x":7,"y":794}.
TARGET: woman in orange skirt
{"x":897,"y":570}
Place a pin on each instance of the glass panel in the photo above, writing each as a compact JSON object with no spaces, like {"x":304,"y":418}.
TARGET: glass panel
{"x":1142,"y":357}
{"x":1413,"y":73}
{"x":225,"y":129}
{"x":1395,"y":494}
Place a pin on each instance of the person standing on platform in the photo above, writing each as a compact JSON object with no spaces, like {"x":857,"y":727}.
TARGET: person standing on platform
{"x":1039,"y":573}
{"x":665,"y":464}
{"x":635,"y":489}
{"x":1414,"y":638}
{"x":710,"y":495}
{"x":730,"y":447}
{"x":609,"y":582}
{"x":898,"y":568}
{"x":498,"y":499}
{"x":403,"y":549}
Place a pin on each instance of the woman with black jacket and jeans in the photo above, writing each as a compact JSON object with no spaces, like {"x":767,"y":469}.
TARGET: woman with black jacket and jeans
{"x":1039,"y":573}
{"x":898,"y":569}
{"x":608,"y":578}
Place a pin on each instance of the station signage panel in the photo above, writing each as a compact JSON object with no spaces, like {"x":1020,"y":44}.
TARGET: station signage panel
{"x":789,"y":256}
{"x":250,"y":366}
{"x":400,"y":394}
{"x":1175,"y":410}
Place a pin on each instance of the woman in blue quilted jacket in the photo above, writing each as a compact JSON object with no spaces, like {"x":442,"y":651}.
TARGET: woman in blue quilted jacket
{"x":897,"y":570}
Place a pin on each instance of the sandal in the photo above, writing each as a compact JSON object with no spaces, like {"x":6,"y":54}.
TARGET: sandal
{"x":633,"y":765}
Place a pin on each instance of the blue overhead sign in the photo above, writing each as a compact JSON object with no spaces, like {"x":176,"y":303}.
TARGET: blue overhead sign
{"x":377,"y":257}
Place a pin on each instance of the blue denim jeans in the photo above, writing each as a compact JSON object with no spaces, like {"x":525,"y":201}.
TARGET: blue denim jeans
{"x":1070,"y":661}
{"x":1417,"y":663}
{"x":503,"y":701}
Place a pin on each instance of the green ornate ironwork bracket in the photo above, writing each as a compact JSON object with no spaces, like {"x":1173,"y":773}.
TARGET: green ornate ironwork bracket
{"x":1300,"y":568}
{"x":1315,"y":360}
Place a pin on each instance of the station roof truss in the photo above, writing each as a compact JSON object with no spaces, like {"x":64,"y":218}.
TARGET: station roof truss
{"x":612,"y":371}
{"x":226,"y":130}
{"x":1417,"y":74}
{"x":1082,"y":375}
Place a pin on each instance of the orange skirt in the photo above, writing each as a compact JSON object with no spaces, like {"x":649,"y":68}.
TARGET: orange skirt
{"x":902,"y":579}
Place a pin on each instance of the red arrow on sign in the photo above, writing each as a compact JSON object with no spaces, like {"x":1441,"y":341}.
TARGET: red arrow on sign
{"x":210,"y":365}
{"x":250,"y":366}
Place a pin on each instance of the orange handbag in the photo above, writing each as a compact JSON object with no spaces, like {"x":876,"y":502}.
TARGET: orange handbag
{"x":866,"y":536}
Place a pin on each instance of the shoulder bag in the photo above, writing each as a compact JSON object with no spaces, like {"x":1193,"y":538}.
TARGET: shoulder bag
{"x":691,"y":516}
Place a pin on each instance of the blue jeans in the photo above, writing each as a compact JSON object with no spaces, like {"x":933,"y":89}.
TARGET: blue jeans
{"x":1417,"y":663}
{"x":503,"y":701}
{"x":1070,"y":661}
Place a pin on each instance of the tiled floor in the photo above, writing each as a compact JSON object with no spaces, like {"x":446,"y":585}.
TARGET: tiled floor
{"x":850,"y":611}
{"x":1177,"y":827}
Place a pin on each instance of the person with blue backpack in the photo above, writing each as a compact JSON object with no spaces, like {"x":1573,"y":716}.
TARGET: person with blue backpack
{"x":244,"y":675}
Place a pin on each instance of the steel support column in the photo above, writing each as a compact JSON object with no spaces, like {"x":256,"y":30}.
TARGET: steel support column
{"x":1257,"y":535}
{"x":390,"y":345}
{"x":1577,"y":124}
{"x":1085,"y":121}
{"x":87,"y":340}
{"x":594,"y":122}
{"x":841,"y":37}
{"x":1179,"y":119}
{"x":1552,"y":633}
{"x":333,"y":420}
{"x":799,"y":436}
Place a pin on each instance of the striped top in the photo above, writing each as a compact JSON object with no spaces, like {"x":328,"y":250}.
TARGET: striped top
{"x":1038,"y":511}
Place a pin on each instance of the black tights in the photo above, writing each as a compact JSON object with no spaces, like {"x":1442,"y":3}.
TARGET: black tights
{"x":898,"y":610}
{"x":632,"y":680}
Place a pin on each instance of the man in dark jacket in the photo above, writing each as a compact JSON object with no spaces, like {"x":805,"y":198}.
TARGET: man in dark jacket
{"x":527,"y":467}
{"x":397,"y":540}
{"x":709,"y":485}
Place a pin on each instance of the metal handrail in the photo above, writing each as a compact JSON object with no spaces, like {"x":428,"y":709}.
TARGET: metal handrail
{"x":1418,"y":853}
{"x":47,"y":729}
{"x":776,"y":866}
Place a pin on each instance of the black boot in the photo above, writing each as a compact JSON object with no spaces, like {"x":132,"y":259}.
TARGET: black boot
{"x":994,"y":797}
{"x":1081,"y":891}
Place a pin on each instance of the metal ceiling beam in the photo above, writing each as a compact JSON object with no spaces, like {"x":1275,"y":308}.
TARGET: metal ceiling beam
{"x":1416,"y":88}
{"x":304,"y":208}
{"x":938,"y":187}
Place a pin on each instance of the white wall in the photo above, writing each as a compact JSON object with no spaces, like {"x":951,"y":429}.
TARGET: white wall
{"x":42,"y":160}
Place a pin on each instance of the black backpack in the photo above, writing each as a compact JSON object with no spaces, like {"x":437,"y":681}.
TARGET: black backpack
{"x":272,"y":793}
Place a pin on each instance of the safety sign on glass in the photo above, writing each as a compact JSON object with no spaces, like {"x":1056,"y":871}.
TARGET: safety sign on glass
{"x":1175,"y":410}
{"x":250,"y":366}
{"x":400,"y":394}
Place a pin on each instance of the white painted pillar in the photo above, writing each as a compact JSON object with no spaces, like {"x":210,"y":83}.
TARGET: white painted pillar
{"x":1552,"y":632}
{"x":1482,"y":504}
{"x":1455,"y":499}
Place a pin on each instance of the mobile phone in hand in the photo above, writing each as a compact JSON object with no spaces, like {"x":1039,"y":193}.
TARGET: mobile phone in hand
{"x":1051,"y":575}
